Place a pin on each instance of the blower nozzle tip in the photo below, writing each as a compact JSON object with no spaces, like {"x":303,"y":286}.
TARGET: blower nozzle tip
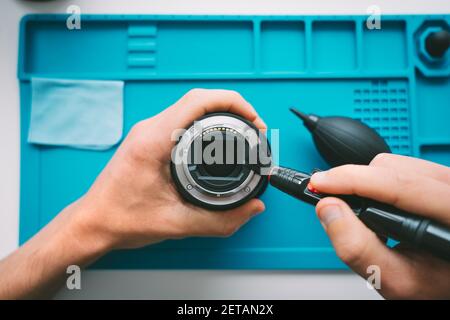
{"x":308,"y":120}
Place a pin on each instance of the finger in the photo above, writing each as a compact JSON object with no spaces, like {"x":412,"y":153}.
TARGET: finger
{"x":429,"y":285}
{"x":224,"y":223}
{"x":355,"y":244}
{"x":410,"y":164}
{"x":199,"y":102}
{"x":407,"y":191}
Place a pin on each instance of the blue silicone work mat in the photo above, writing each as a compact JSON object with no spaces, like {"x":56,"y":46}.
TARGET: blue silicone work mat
{"x":326,"y":65}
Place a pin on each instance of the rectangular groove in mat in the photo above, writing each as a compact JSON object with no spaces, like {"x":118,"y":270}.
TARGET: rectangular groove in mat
{"x":142,"y":46}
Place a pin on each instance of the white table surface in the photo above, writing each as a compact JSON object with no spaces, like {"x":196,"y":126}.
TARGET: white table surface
{"x":160,"y":284}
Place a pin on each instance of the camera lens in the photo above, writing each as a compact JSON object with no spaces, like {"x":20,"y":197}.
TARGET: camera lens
{"x":212,"y":162}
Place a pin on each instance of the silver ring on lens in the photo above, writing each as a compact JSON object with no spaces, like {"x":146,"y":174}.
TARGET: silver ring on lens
{"x":227,"y":178}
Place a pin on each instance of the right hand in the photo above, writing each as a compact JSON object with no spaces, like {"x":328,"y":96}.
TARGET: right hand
{"x":414,"y":185}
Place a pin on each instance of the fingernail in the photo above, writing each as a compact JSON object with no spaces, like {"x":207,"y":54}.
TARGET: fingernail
{"x":329,"y":214}
{"x":259,"y":209}
{"x":264,"y":124}
{"x":319,"y":178}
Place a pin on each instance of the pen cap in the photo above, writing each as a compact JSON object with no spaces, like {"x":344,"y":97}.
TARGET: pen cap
{"x":419,"y":232}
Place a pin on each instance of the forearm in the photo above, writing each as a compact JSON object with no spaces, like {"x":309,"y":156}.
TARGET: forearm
{"x":38,"y":268}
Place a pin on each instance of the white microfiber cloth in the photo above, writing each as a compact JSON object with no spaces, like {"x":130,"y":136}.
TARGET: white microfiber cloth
{"x":84,"y":114}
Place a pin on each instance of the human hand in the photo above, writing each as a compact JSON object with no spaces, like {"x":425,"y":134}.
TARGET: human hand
{"x":134,"y":201}
{"x":414,"y":185}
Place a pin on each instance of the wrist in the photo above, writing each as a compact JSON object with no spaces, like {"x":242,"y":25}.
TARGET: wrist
{"x":39,"y":267}
{"x":83,"y":234}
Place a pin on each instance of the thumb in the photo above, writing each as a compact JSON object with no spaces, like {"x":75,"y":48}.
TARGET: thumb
{"x":355,"y":244}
